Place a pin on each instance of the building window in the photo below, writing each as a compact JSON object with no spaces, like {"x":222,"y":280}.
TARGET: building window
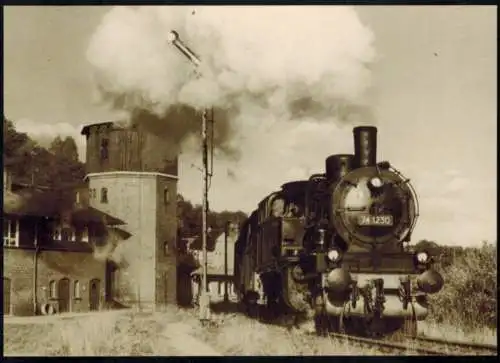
{"x":82,"y":234}
{"x":52,"y":289}
{"x":104,"y":195}
{"x":68,"y":234}
{"x":11,"y":232}
{"x":77,"y":198}
{"x":104,"y":149}
{"x":166,"y":196}
{"x":85,"y":235}
{"x":57,"y":233}
{"x":76,"y":290}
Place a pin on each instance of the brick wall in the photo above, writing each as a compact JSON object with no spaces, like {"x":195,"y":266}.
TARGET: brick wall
{"x":18,"y":267}
{"x":147,"y":270}
{"x":52,"y":265}
{"x":166,"y":241}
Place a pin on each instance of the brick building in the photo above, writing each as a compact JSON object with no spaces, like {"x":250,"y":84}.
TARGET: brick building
{"x":49,"y":262}
{"x":132,"y":175}
{"x":115,"y":244}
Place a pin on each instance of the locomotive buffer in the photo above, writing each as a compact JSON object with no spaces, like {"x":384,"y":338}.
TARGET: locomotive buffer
{"x":204,"y":302}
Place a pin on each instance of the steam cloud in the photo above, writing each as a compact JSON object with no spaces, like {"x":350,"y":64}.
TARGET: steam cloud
{"x":274,"y":64}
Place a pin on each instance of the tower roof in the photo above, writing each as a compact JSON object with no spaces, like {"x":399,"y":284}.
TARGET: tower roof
{"x":113,"y":124}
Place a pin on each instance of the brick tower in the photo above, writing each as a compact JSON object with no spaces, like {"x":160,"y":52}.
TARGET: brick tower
{"x":132,"y":175}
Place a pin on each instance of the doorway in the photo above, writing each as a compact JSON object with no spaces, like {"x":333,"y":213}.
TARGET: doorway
{"x":63,"y":295}
{"x":6,"y":296}
{"x":95,"y":287}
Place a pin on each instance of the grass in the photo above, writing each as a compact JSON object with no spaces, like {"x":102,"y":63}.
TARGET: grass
{"x":140,"y":334}
{"x":464,"y":310}
{"x":468,"y":300}
{"x":129,"y":333}
{"x":480,"y":335}
{"x":106,"y":334}
{"x":238,"y":335}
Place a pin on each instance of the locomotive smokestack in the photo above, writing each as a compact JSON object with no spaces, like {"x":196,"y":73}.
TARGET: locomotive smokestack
{"x":365,"y":146}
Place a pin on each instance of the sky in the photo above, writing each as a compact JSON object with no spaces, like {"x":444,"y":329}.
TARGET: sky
{"x":433,"y":97}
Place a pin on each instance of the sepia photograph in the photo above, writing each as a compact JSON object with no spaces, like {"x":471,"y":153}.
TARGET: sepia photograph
{"x":250,"y":180}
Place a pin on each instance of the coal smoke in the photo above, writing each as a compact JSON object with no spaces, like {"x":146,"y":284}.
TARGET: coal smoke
{"x":269,"y":63}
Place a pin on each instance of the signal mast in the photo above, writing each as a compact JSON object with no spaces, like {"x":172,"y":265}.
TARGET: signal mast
{"x":204,"y":302}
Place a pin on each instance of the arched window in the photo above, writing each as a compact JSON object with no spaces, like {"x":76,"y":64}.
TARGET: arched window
{"x":166,"y":195}
{"x":76,"y":290}
{"x":52,"y":289}
{"x":104,"y":195}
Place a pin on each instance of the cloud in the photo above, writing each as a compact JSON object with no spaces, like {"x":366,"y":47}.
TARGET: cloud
{"x":454,"y":209}
{"x":261,"y":66}
{"x":45,"y":133}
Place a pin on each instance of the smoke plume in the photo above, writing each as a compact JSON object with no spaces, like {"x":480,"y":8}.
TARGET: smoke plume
{"x":274,"y":64}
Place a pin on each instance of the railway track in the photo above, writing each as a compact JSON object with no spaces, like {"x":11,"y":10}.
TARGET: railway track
{"x":455,"y":347}
{"x":421,"y":346}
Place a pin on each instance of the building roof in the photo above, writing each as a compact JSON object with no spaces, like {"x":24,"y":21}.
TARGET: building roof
{"x":88,"y":214}
{"x":32,"y":203}
{"x":113,"y":124}
{"x":36,"y":203}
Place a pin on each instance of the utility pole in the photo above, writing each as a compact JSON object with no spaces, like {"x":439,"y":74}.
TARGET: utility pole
{"x":204,"y":297}
{"x":226,"y":295}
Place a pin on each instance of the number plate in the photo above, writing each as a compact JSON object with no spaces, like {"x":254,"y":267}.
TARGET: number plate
{"x":380,"y":220}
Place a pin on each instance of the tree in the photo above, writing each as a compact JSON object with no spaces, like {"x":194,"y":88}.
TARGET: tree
{"x":64,"y":149}
{"x":56,"y":145}
{"x":29,"y":163}
{"x":17,"y":148}
{"x":189,"y":219}
{"x":66,"y":169}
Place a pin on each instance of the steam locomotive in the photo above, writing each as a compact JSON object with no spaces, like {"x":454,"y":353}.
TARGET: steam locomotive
{"x":336,"y":248}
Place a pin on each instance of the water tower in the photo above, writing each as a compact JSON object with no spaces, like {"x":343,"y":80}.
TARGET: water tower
{"x":132,"y":175}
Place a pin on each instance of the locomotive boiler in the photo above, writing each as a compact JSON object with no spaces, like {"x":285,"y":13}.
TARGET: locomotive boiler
{"x":336,"y":247}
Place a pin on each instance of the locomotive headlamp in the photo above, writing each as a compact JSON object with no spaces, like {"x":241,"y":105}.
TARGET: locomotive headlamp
{"x":376,"y":182}
{"x":334,"y":255}
{"x":422,"y":257}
